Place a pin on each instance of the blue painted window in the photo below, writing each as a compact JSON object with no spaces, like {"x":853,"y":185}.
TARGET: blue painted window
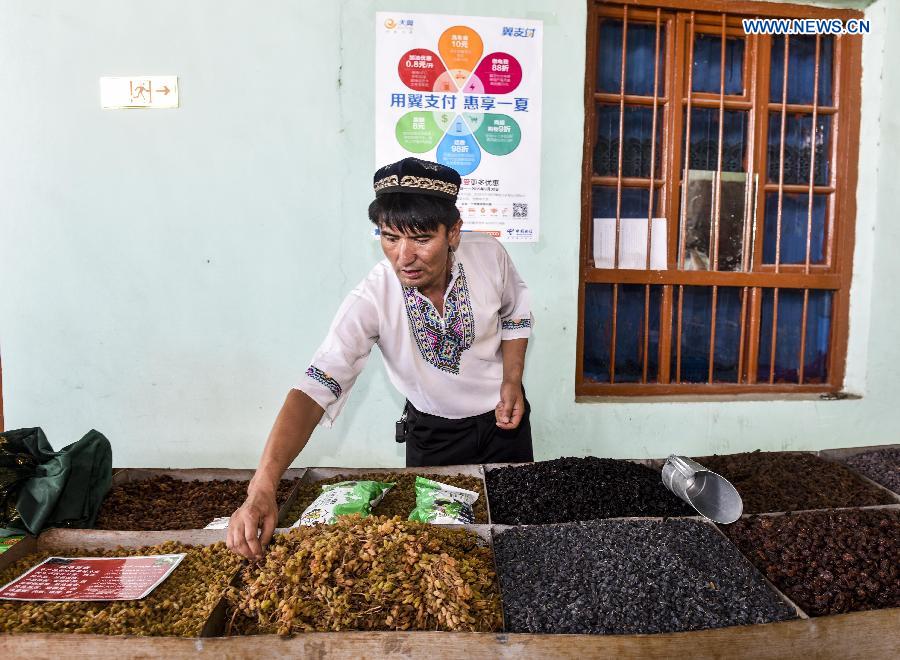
{"x":798,"y":148}
{"x":705,"y":140}
{"x":630,"y":332}
{"x":696,"y":322}
{"x":641,"y":44}
{"x":794,"y":215}
{"x":635,"y":202}
{"x":801,"y":69}
{"x":598,"y":308}
{"x":789,"y":328}
{"x":636,"y":150}
{"x":706,"y":74}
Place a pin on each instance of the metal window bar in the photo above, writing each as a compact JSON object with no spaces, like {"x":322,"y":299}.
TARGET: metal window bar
{"x":809,"y":209}
{"x":630,"y":99}
{"x":621,"y":144}
{"x":717,"y":183}
{"x":630,"y":181}
{"x":651,"y":191}
{"x":731,"y":104}
{"x":684,"y":194}
{"x":798,"y":188}
{"x":840,"y":55}
{"x":784,"y":80}
{"x":687,"y":145}
{"x":743,"y":337}
{"x":748,"y":236}
{"x":760,"y":116}
{"x":717,"y":205}
{"x":615,"y":300}
{"x":804,"y":107}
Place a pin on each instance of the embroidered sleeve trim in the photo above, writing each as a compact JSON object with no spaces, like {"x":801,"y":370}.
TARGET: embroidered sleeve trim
{"x":323,"y":378}
{"x":515,"y":324}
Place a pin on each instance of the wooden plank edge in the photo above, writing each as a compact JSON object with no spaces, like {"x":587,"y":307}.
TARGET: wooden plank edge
{"x":855,"y":635}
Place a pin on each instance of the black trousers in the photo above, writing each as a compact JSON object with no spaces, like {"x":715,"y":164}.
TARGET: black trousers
{"x":433,"y":440}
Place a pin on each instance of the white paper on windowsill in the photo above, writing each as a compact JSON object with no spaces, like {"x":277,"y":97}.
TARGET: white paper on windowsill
{"x":632,"y":243}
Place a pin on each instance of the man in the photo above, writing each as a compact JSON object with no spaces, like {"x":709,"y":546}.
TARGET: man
{"x":451,"y":317}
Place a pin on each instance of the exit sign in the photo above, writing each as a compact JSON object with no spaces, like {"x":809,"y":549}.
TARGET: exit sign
{"x":139,"y":92}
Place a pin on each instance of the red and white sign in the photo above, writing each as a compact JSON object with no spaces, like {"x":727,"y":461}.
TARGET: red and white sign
{"x":92,"y":578}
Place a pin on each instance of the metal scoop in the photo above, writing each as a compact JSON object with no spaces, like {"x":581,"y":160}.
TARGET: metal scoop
{"x":712,"y":495}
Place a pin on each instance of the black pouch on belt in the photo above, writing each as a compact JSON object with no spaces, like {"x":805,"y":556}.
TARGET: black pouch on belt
{"x":401,"y":426}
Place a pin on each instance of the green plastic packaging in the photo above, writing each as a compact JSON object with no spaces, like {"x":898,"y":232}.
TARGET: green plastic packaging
{"x":341,"y":499}
{"x":441,"y":504}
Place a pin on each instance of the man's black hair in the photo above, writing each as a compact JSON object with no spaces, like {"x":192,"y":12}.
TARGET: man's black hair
{"x":413,"y":214}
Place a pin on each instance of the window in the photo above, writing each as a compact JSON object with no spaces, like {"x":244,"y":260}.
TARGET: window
{"x":718,"y":201}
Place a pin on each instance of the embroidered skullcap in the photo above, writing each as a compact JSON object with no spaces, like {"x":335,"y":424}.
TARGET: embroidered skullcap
{"x":422,"y":177}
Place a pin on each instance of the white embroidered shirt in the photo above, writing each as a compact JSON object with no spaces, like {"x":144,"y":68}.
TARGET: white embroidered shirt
{"x":449,"y":366}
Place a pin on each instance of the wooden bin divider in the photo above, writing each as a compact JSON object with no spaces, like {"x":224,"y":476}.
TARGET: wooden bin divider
{"x":846,"y":452}
{"x":297,"y":475}
{"x":775,"y":514}
{"x":216,"y":625}
{"x":22,"y":548}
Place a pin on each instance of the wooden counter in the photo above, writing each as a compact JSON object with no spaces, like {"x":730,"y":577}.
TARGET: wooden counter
{"x":868,"y":635}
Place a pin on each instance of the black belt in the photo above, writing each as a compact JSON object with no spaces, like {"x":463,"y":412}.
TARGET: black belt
{"x":402,"y":425}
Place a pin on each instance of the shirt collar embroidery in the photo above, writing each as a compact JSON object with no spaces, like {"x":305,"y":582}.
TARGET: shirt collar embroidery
{"x":442,"y":341}
{"x":455,"y":270}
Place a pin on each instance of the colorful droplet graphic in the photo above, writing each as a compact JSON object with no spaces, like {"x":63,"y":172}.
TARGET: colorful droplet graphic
{"x":499,"y":135}
{"x":461,"y":47}
{"x":418,"y":132}
{"x":420,"y":69}
{"x":458,"y":148}
{"x":499,"y":73}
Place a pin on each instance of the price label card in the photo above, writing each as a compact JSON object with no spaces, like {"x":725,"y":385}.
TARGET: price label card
{"x":92,"y":578}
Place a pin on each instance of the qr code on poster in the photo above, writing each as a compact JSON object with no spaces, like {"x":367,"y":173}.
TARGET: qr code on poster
{"x":520,"y":210}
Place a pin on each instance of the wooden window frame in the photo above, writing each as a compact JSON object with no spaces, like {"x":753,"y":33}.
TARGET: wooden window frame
{"x":834,"y":274}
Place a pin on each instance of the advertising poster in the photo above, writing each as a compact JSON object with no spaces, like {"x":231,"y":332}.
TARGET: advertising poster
{"x":466,"y":92}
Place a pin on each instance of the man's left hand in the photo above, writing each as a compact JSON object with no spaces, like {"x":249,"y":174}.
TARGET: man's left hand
{"x":511,"y":408}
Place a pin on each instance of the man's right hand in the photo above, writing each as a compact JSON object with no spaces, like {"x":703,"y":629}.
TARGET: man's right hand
{"x":251,"y":526}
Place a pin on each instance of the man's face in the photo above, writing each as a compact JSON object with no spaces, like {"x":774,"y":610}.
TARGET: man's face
{"x":419,"y":259}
